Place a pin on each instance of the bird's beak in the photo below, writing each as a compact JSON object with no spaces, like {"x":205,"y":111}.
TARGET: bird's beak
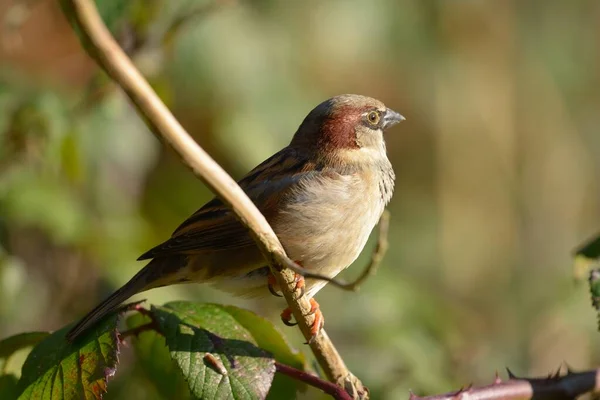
{"x":391,"y":118}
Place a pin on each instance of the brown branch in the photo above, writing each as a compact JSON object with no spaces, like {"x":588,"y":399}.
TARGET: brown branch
{"x":99,"y":43}
{"x":334,"y":390}
{"x":554,"y":387}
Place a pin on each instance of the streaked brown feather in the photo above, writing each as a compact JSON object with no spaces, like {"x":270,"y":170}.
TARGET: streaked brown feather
{"x":214,"y":226}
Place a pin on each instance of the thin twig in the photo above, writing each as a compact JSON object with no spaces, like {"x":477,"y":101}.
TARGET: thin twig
{"x":103,"y":48}
{"x":134,"y":306}
{"x":554,"y":387}
{"x":150,"y":326}
{"x":334,"y":390}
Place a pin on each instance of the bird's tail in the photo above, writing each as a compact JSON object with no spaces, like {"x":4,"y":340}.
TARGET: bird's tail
{"x":151,"y":276}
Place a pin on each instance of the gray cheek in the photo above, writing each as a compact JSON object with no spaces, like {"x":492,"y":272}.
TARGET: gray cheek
{"x":369,"y":138}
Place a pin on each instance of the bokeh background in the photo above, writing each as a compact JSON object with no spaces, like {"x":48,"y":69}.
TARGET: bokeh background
{"x":498,"y":168}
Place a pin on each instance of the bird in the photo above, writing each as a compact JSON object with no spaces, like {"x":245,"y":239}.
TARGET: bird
{"x":322,"y":194}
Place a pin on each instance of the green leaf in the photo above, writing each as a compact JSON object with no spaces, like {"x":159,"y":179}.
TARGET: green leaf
{"x":218,"y":356}
{"x":269,"y":338}
{"x":8,"y":387}
{"x":586,"y":256}
{"x":591,"y":249}
{"x":15,"y":343}
{"x":155,"y":361}
{"x":56,"y":369}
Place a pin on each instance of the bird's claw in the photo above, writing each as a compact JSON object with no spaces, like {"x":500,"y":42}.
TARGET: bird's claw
{"x":318,"y":322}
{"x":286,"y":317}
{"x":300,"y":285}
{"x":300,"y":290}
{"x":272,"y":284}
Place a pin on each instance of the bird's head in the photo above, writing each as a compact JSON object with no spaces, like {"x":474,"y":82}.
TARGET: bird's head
{"x":344,"y":123}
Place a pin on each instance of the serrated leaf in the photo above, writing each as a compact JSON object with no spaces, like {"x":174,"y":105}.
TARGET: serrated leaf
{"x":269,"y":338}
{"x":57,"y":369}
{"x":12,"y":344}
{"x":154,"y":359}
{"x":217,"y":355}
{"x":8,"y":387}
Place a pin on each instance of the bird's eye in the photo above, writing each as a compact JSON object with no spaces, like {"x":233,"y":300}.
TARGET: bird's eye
{"x":373,"y":117}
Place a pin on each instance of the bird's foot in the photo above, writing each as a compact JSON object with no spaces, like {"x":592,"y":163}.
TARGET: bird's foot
{"x":274,"y":288}
{"x":300,"y":285}
{"x":273,"y":285}
{"x":318,"y":322}
{"x":286,"y":317}
{"x":299,"y":290}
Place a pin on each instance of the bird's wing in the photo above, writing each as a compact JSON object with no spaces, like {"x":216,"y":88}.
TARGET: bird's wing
{"x":214,"y":226}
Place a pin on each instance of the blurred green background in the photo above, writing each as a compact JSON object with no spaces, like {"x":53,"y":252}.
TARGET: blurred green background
{"x":497,"y":165}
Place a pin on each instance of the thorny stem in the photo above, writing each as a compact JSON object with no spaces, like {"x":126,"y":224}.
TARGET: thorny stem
{"x":334,"y":390}
{"x":100,"y":44}
{"x":554,"y":387}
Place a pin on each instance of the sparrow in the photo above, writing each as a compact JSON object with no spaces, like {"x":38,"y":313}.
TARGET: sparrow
{"x":323,"y":194}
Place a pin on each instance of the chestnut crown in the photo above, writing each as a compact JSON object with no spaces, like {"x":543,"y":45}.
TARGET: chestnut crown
{"x":348,"y":121}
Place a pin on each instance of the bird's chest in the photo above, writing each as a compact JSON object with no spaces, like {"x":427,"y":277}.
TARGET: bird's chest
{"x":327,"y":222}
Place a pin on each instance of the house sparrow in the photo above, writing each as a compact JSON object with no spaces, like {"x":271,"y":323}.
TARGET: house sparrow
{"x":322,"y":194}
